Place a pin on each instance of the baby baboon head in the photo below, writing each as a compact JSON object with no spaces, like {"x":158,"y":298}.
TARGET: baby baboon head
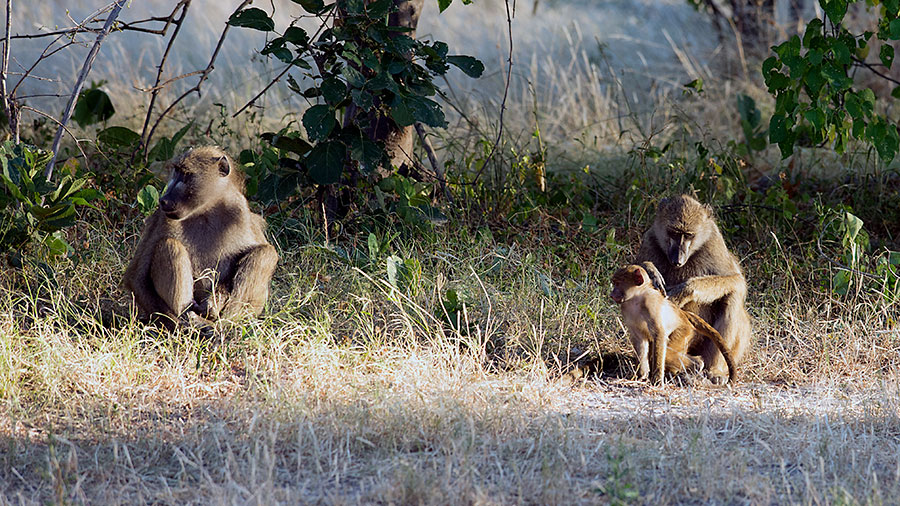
{"x":197,"y":179}
{"x":626,"y":278}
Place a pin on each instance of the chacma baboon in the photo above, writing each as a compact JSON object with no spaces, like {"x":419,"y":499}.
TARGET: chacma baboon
{"x":653,"y":320}
{"x":684,"y":253}
{"x":202,"y":250}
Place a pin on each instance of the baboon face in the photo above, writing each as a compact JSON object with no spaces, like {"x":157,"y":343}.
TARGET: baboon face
{"x":196,"y":180}
{"x":625,"y":278}
{"x":681,"y":227}
{"x":678,"y":246}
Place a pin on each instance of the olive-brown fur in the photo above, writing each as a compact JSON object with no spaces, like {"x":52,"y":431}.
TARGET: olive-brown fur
{"x":684,"y":253}
{"x":202,"y":250}
{"x":662,"y":334}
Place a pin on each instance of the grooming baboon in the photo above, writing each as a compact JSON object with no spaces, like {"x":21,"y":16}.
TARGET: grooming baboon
{"x":202,"y":250}
{"x":685,"y":255}
{"x":652,"y":320}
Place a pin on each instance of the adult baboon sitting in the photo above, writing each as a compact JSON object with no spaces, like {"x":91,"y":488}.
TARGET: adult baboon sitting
{"x":202,"y":250}
{"x":684,"y":253}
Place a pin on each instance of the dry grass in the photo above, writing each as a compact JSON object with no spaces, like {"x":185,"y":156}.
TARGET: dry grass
{"x":349,"y":391}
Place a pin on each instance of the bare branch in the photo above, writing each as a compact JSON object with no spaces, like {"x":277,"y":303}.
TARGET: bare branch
{"x":51,"y":118}
{"x":505,"y":94}
{"x":169,"y":81}
{"x":4,"y":69}
{"x":120,"y":25}
{"x":283,"y":72}
{"x":46,"y":53}
{"x":185,"y":5}
{"x":264,"y":90}
{"x":203,"y":75}
{"x":79,"y":83}
{"x":871,"y":68}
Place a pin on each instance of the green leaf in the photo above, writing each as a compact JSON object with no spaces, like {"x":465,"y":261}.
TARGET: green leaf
{"x":311,"y":6}
{"x":841,"y":53}
{"x":319,"y":122}
{"x":443,"y":4}
{"x":834,"y":9}
{"x":352,"y":7}
{"x":886,"y":53}
{"x":777,"y":81}
{"x":354,"y":77}
{"x":895,"y":29}
{"x":379,"y":8}
{"x":292,"y":144}
{"x":254,"y":18}
{"x":362,"y":99}
{"x":471,"y":66}
{"x":401,"y":112}
{"x":118,"y":137}
{"x":426,"y":111}
{"x":296,"y":35}
{"x":374,"y":246}
{"x":147,"y":199}
{"x":816,"y":118}
{"x":366,"y":152}
{"x":326,"y":162}
{"x":93,"y":106}
{"x":284,"y":54}
{"x":56,"y":244}
{"x":395,"y":270}
{"x":333,"y":90}
{"x":696,"y":85}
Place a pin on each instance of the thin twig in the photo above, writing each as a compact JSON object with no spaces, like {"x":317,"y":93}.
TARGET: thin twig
{"x":7,"y":103}
{"x":169,"y":81}
{"x":505,"y":94}
{"x":871,"y":68}
{"x":283,"y":72}
{"x":121,"y":26}
{"x":51,"y":118}
{"x":842,"y":266}
{"x":435,"y":163}
{"x":46,"y":53}
{"x":48,"y":173}
{"x":184,"y":4}
{"x":203,"y":76}
{"x":264,"y":90}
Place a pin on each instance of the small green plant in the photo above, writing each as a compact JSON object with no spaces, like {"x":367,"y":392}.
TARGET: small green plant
{"x":839,"y":226}
{"x":404,"y":274}
{"x":618,"y":488}
{"x":408,"y":199}
{"x":34,"y":210}
{"x":751,"y":124}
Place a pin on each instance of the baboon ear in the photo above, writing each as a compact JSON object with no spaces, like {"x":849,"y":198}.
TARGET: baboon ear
{"x":224,"y":166}
{"x":638,"y":277}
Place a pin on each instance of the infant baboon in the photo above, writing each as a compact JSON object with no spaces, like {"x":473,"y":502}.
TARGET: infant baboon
{"x":202,"y":250}
{"x":653,"y":320}
{"x":684,"y":253}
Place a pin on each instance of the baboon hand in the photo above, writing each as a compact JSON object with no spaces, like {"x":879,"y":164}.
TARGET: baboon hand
{"x":655,"y":276}
{"x":681,"y":293}
{"x":204,"y":309}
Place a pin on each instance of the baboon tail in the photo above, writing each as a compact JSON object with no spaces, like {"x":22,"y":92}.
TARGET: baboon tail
{"x":708,"y":331}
